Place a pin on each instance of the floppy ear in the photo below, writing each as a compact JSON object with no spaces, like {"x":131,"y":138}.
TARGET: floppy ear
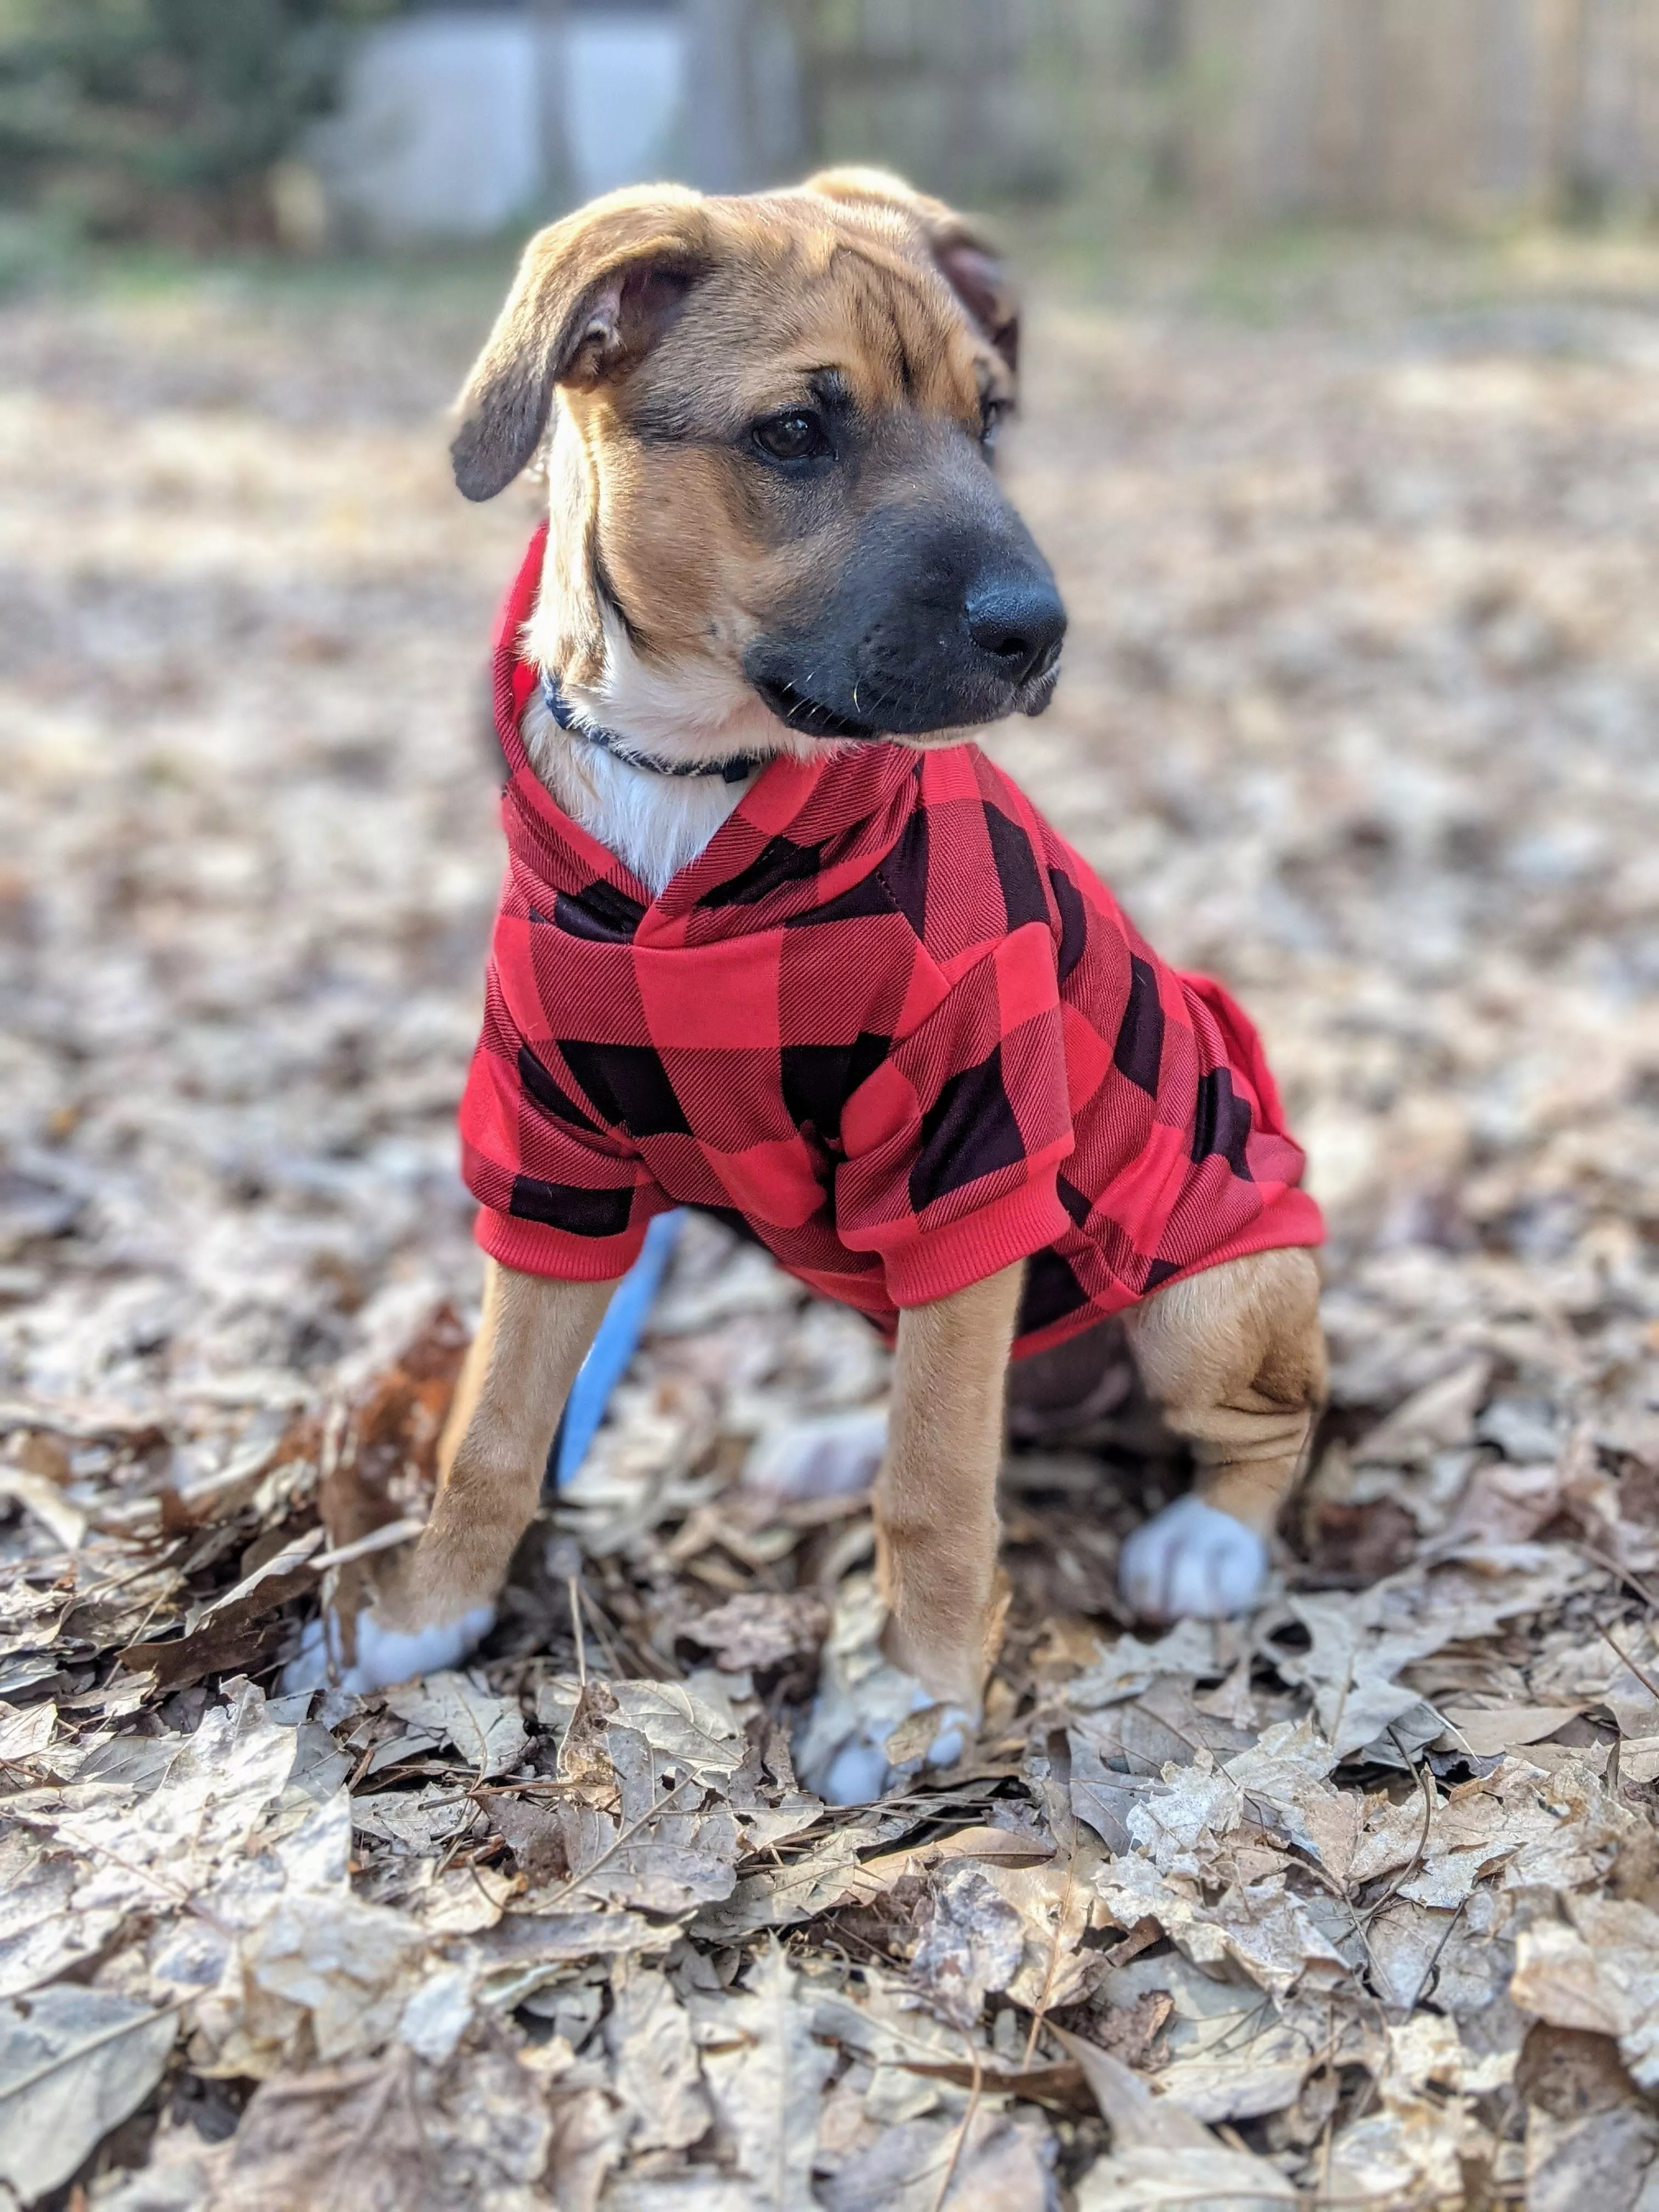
{"x":965,"y":257}
{"x":592,"y":293}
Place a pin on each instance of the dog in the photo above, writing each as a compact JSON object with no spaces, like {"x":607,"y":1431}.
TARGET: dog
{"x":777,"y":940}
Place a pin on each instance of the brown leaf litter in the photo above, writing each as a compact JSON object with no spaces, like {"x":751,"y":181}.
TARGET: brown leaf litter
{"x":1355,"y":1902}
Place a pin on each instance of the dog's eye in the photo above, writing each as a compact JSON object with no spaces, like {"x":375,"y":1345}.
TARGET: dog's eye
{"x":990,"y":423}
{"x":797,"y":437}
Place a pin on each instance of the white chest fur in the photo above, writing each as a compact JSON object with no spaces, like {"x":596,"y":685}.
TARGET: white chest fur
{"x":655,"y":824}
{"x":687,"y":711}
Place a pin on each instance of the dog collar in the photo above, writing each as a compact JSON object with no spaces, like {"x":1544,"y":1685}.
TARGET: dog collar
{"x":729,"y":771}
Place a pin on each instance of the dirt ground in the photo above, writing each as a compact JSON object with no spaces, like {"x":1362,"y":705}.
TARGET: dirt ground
{"x":1350,"y":1903}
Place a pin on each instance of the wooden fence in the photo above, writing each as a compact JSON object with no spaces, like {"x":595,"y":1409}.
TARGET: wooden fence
{"x":1252,"y":108}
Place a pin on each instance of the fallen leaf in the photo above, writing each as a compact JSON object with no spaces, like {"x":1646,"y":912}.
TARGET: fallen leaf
{"x":383,"y":2136}
{"x":1600,"y":1972}
{"x":685,"y":1730}
{"x":1139,"y":2118}
{"x":46,"y":1502}
{"x":74,"y":2062}
{"x":1056,"y":2084}
{"x":766,"y":2083}
{"x":1590,"y":2137}
{"x":1160,"y":2155}
{"x":1127,"y":1666}
{"x":812,"y":1881}
{"x":993,"y":2164}
{"x":873,"y":1877}
{"x":26,"y":1731}
{"x":973,"y":1942}
{"x":1439,"y":1414}
{"x":761,"y":1629}
{"x":1272,"y":1933}
{"x":40,"y":1935}
{"x":1506,"y":1504}
{"x":487,"y":1730}
{"x":1141,"y":2178}
{"x":167,"y":1843}
{"x":1176,"y":1826}
{"x":237,"y":1629}
{"x":1361,"y":1643}
{"x":1132,"y":2027}
{"x":1488,"y":1729}
{"x":668,"y":1859}
{"x":419,"y":1820}
{"x":1610,"y":2161}
{"x":535,"y":1836}
{"x":587,"y":2144}
{"x":657,"y":2075}
{"x":1225,"y":2053}
{"x":345,"y":1965}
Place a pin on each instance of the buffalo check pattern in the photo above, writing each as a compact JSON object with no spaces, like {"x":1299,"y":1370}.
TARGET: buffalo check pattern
{"x":887,"y":1022}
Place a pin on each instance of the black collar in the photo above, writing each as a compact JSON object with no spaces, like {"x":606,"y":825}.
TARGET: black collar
{"x":730,"y":771}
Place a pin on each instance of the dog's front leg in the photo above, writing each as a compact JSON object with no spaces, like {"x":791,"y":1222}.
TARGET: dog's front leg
{"x":533,"y":1336}
{"x":936,"y":1506}
{"x":936,"y":1527}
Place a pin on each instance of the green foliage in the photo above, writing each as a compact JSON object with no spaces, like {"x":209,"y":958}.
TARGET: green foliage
{"x":162,"y":116}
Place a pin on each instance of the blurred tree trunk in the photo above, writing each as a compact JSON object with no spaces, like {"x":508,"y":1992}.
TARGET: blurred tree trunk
{"x":744,"y":120}
{"x":942,"y":90}
{"x":559,"y":181}
{"x":1565,"y":29}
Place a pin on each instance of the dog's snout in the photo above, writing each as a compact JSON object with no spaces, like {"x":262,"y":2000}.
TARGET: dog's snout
{"x":945,"y":614}
{"x":1019,"y":620}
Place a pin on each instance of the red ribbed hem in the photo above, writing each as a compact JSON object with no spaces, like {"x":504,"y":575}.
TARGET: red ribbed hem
{"x":1292,"y":1220}
{"x":532,"y":1248}
{"x":940,"y":1261}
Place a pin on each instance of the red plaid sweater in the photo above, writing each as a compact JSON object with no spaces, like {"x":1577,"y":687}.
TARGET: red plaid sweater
{"x":887,"y":1022}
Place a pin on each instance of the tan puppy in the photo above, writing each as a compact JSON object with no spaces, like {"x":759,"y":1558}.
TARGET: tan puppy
{"x":774,"y":531}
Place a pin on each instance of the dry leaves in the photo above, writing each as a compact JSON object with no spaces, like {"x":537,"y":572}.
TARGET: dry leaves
{"x":1358,"y":1897}
{"x":73,"y":2063}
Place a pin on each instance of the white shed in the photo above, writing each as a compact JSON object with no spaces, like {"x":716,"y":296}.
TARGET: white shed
{"x":460,"y":120}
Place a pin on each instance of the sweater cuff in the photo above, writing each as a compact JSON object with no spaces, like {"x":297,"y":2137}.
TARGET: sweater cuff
{"x":532,"y":1248}
{"x":937,"y":1261}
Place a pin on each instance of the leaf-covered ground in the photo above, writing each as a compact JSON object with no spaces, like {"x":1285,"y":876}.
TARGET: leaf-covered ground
{"x":1351,"y":1903}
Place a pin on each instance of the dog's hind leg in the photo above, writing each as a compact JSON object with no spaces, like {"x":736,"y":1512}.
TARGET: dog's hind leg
{"x":1236,"y":1359}
{"x":532,"y":1338}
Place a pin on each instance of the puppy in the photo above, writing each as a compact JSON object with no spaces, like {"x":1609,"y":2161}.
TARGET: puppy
{"x":777,"y":940}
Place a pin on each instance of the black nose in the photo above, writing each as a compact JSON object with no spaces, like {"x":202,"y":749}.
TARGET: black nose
{"x":1019,"y":620}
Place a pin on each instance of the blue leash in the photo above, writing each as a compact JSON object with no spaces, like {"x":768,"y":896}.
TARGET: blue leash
{"x":617,"y":1340}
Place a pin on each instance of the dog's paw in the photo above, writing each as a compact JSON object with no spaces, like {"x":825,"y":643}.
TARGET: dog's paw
{"x":862,"y":1769}
{"x":382,"y":1655}
{"x":828,"y":1456}
{"x":871,"y":1724}
{"x":1192,"y":1562}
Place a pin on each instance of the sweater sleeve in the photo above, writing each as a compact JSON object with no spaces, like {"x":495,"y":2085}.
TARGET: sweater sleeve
{"x":559,"y":1193}
{"x":953,"y":1145}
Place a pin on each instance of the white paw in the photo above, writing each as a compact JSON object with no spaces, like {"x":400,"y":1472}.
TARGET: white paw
{"x":859,"y":1771}
{"x":384,"y":1655}
{"x":1192,"y":1562}
{"x":828,"y":1458}
{"x":857,"y":1775}
{"x":871,"y":1725}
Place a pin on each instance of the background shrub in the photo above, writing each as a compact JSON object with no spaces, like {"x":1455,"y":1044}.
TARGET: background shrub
{"x":164,"y":118}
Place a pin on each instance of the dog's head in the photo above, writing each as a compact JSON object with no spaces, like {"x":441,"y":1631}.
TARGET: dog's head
{"x":771,"y":459}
